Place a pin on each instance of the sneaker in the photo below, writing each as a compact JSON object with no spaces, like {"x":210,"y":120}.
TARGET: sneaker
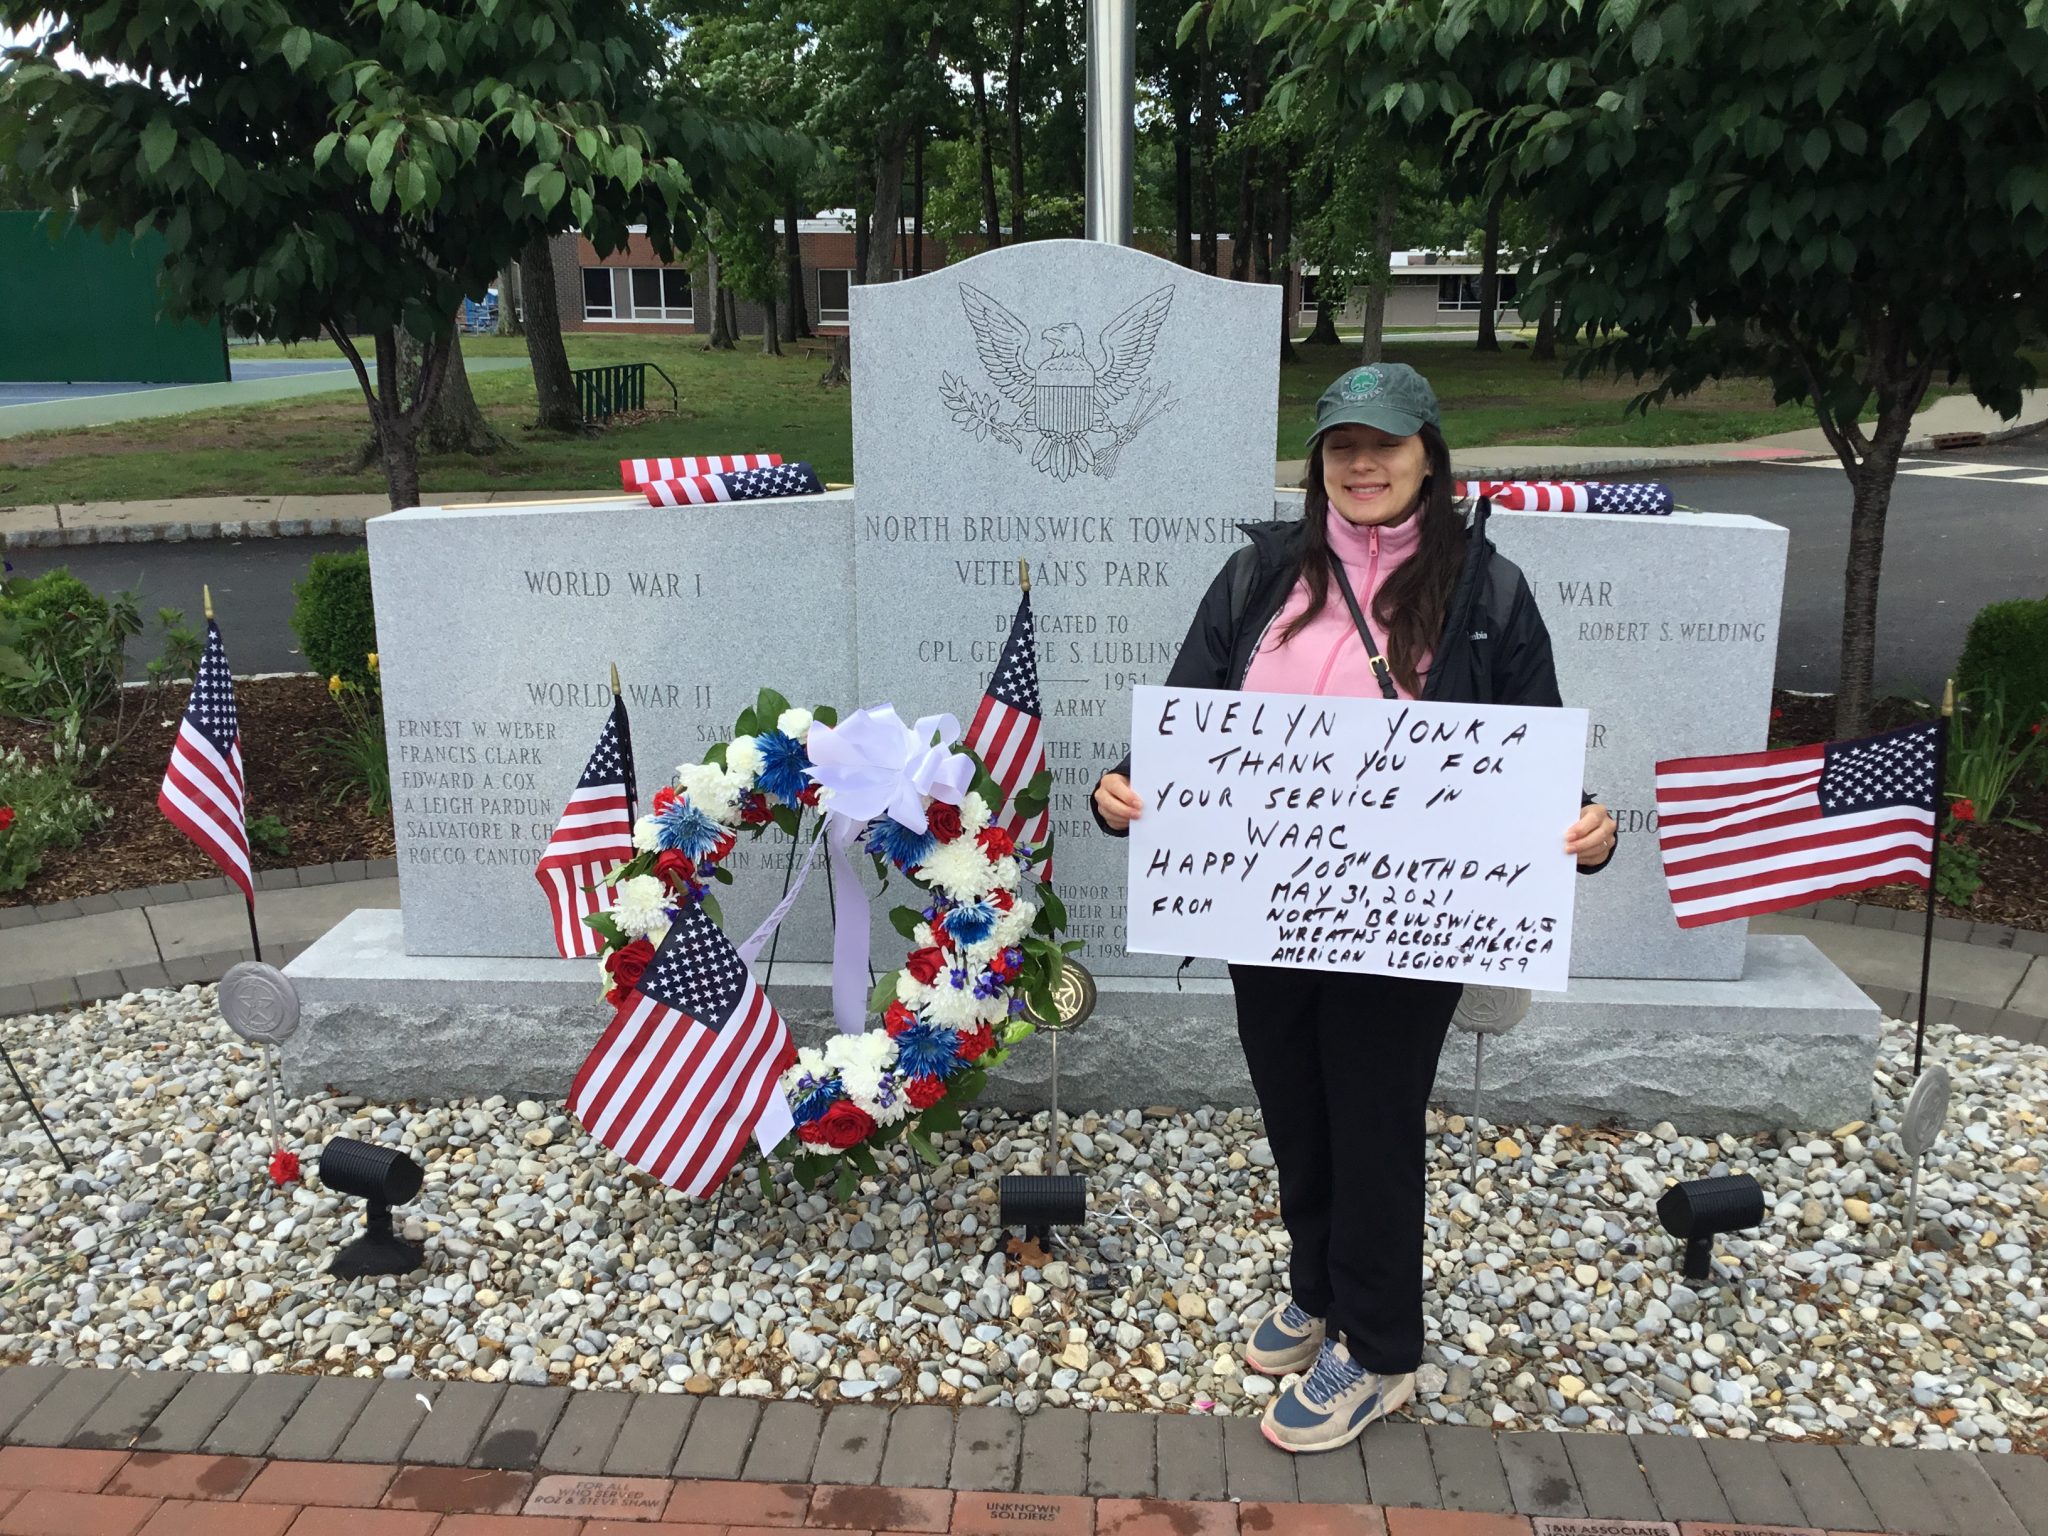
{"x":1332,"y":1405}
{"x":1287,"y":1341}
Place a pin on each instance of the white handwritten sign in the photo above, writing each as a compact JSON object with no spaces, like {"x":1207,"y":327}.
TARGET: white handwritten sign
{"x":1405,"y":839}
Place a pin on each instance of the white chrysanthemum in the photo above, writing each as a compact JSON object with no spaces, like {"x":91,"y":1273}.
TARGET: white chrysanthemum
{"x":973,"y":814}
{"x":794,"y":723}
{"x":910,"y":991}
{"x":994,"y":1009}
{"x":977,"y":956}
{"x":1015,"y":923}
{"x":958,"y":868}
{"x":869,"y":1051}
{"x":712,"y":790}
{"x":810,"y":1062}
{"x":646,"y":834}
{"x":1007,"y":875}
{"x":959,"y":1010}
{"x":641,"y":906}
{"x":895,"y":1109}
{"x":743,"y":758}
{"x":863,"y":1085}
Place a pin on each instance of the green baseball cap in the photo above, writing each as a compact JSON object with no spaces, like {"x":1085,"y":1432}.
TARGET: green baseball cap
{"x":1390,"y":396}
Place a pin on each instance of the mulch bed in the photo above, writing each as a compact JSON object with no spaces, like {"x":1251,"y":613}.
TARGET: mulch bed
{"x":283,"y":720}
{"x":2013,"y":863}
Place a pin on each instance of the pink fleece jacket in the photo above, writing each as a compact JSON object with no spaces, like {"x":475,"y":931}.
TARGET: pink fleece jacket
{"x":1327,"y":656}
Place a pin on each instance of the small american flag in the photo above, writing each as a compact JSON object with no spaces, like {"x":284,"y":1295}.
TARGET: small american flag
{"x":634,"y":473}
{"x":690,"y":1065}
{"x":1008,"y":730}
{"x":1645,"y":498}
{"x":735,"y":485}
{"x":202,"y":791}
{"x":1762,"y":831}
{"x":594,"y":836}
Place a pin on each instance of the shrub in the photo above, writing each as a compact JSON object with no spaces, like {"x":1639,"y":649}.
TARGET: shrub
{"x":67,"y":643}
{"x":2006,"y":656}
{"x":41,"y":807}
{"x":334,"y":618}
{"x":356,"y":752}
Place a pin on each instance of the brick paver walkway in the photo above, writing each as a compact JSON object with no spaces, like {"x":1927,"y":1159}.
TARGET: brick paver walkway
{"x":86,"y":1452}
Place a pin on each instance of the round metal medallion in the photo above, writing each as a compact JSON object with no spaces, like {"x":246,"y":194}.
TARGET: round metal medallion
{"x":259,"y":1002}
{"x":1073,"y":994}
{"x":1926,"y":1109}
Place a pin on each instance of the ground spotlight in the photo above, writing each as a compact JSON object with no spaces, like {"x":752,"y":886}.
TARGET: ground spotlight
{"x":1699,"y":1209}
{"x":384,"y":1177}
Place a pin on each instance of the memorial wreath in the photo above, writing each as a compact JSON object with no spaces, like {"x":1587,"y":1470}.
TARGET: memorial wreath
{"x":983,"y":955}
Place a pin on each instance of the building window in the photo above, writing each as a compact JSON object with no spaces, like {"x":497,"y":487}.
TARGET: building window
{"x":1463,"y":292}
{"x":598,"y":298}
{"x":661,"y":293}
{"x":834,"y":285}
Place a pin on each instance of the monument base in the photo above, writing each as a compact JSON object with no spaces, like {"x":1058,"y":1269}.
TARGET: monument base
{"x":1791,"y":1044}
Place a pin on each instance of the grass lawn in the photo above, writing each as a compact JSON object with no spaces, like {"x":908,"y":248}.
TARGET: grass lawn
{"x":744,"y":402}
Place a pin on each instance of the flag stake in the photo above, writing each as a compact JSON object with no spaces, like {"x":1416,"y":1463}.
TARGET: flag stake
{"x":615,"y":679}
{"x":1948,"y":709}
{"x":1024,"y":574}
{"x":206,"y":598}
{"x":30,"y":1100}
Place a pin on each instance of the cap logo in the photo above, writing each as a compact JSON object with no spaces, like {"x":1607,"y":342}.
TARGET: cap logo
{"x":1363,"y":384}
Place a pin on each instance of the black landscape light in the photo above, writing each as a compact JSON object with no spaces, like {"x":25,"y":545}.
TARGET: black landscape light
{"x":1699,"y":1209}
{"x":1038,"y":1202}
{"x":384,"y":1177}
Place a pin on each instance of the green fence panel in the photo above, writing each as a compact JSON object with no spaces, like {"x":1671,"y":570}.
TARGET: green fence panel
{"x":80,"y":308}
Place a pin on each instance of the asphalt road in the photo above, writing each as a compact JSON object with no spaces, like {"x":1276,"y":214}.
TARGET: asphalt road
{"x":1955,"y":540}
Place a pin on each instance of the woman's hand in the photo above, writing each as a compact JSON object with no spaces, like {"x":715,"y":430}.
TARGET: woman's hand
{"x":1590,"y":839}
{"x":1117,"y":802}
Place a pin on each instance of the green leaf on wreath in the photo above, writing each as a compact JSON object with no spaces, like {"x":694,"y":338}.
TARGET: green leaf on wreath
{"x":748,"y":724}
{"x":768,"y":709}
{"x":905,"y":920}
{"x":924,"y":1149}
{"x":786,"y":818}
{"x":765,"y":1179}
{"x":825,"y":714}
{"x":863,"y":1158}
{"x":1052,"y":912}
{"x":882,"y":994}
{"x":712,"y":910}
{"x":722,"y":875}
{"x":985,"y":785}
{"x":942,"y":1116}
{"x":607,"y":927}
{"x":716,"y":755}
{"x":844,"y":1186}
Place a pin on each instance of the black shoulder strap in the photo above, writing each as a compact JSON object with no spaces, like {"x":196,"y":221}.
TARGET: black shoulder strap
{"x":1380,"y":669}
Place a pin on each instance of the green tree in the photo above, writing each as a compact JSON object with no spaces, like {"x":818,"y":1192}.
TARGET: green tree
{"x":336,"y":168}
{"x":1848,"y":200}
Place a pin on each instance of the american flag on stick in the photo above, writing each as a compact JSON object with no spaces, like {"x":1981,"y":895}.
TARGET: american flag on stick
{"x":634,"y":473}
{"x":594,"y":836}
{"x":1761,"y":831}
{"x":735,"y":485}
{"x":1008,"y":731}
{"x":1644,"y":498}
{"x":202,"y":792}
{"x":690,"y":1065}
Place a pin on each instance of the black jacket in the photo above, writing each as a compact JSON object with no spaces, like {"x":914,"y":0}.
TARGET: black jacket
{"x":1494,"y":648}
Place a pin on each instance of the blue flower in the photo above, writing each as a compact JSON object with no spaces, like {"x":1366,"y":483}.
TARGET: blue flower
{"x":971,"y":922}
{"x":811,"y":1097}
{"x":785,"y":766}
{"x":1016,"y":1006}
{"x":927,"y":1050}
{"x":898,"y":844}
{"x":989,"y":985}
{"x":958,"y":976}
{"x":687,"y":830}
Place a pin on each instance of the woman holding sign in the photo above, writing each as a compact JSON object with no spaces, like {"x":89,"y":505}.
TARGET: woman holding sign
{"x":1382,"y":588}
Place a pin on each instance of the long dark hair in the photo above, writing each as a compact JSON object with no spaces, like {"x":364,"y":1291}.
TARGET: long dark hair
{"x":1411,"y":604}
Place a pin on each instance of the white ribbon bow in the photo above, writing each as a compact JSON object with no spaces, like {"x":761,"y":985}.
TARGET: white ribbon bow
{"x":875,"y":765}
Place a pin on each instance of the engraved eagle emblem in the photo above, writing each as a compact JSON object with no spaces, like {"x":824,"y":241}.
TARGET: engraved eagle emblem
{"x":1082,"y":408}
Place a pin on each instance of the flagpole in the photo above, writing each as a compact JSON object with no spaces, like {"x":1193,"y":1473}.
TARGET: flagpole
{"x":1948,"y":709}
{"x":629,"y":767}
{"x":248,"y":896}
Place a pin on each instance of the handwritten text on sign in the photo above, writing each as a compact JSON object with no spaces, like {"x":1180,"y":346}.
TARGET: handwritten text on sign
{"x":1405,"y":839}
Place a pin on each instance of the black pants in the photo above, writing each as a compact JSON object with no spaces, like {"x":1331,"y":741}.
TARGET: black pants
{"x":1343,"y":1065}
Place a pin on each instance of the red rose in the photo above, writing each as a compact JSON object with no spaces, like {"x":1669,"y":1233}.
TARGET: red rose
{"x":924,"y":1092}
{"x":943,"y":820}
{"x":925,"y":964}
{"x":1002,"y":901}
{"x":754,"y":811}
{"x":974,"y":1046}
{"x":625,"y":965}
{"x":6,"y":817}
{"x":844,"y":1125}
{"x":996,"y":843}
{"x":674,"y":867}
{"x":664,"y":797}
{"x":1963,"y":810}
{"x":898,"y":1018}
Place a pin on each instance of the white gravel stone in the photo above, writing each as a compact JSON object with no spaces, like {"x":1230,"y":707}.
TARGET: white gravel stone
{"x":1553,"y":1298}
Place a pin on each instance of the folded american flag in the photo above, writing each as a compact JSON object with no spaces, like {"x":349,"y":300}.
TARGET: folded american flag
{"x":735,"y":485}
{"x":1646,"y":498}
{"x":635,"y":473}
{"x":1761,"y":831}
{"x":690,"y":1065}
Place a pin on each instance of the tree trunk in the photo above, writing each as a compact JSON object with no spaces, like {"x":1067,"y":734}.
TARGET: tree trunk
{"x":1324,"y":333}
{"x":1871,"y":476}
{"x":796,"y":320}
{"x":721,"y":333}
{"x":1489,"y":275}
{"x":1545,"y":350}
{"x":860,"y":239}
{"x":1373,"y":345}
{"x":917,"y":207}
{"x":1183,"y":171}
{"x":451,"y":422}
{"x":731,"y":298}
{"x":840,"y":369}
{"x":509,"y":302}
{"x":1282,"y":260}
{"x":394,"y":423}
{"x":771,"y":333}
{"x":1205,"y":186}
{"x":554,"y":390}
{"x":1244,"y":237}
{"x":991,"y":210}
{"x":1013,"y":89}
{"x":887,"y":216}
